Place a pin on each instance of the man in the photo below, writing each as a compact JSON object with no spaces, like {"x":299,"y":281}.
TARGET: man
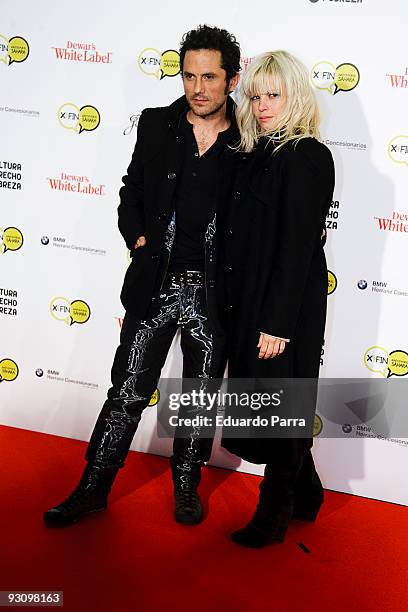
{"x":175,"y":185}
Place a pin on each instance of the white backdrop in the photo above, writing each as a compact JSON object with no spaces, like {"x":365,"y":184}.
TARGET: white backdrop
{"x":59,"y":193}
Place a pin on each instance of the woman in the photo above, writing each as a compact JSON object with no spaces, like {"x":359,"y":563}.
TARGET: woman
{"x":276,"y":272}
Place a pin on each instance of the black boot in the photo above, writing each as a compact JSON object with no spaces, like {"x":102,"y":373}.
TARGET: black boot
{"x":273,"y":512}
{"x":89,"y":496}
{"x":186,"y":478}
{"x":307,"y":509}
{"x":309,"y":493}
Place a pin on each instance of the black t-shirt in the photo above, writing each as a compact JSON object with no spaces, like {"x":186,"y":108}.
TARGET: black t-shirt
{"x":195,"y":198}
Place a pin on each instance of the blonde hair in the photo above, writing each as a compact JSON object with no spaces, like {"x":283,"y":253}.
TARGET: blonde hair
{"x":278,"y":71}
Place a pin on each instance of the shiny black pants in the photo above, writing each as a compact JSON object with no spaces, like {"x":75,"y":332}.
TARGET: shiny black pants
{"x":144,"y":345}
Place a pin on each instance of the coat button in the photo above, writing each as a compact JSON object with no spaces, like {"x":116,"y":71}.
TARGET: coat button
{"x":229,"y":269}
{"x":171,"y":176}
{"x":155,"y":257}
{"x":229,"y":231}
{"x":237,"y":195}
{"x":162,"y":216}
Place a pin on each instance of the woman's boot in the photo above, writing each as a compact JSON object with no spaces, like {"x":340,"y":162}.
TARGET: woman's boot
{"x":273,"y":512}
{"x":309,"y":493}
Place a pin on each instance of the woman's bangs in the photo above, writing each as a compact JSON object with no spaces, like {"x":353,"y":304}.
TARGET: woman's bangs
{"x":266,"y":79}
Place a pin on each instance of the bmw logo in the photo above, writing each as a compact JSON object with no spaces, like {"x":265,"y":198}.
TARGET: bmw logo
{"x":39,"y":372}
{"x":347,"y":428}
{"x":362,"y":284}
{"x":45,"y":240}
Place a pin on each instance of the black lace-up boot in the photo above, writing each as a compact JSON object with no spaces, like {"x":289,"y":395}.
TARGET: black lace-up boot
{"x":186,"y":478}
{"x":89,"y":496}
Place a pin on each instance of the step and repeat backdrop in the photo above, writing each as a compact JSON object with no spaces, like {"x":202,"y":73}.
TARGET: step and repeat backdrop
{"x":73,"y":82}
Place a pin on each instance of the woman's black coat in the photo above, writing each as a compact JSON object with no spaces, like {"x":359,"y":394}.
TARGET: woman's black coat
{"x":275,"y":264}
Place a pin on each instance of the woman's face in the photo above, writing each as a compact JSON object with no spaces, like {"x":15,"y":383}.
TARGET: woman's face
{"x":268,"y":108}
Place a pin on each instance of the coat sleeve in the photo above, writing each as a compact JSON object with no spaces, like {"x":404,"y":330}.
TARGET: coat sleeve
{"x":307,"y":189}
{"x":131,"y":207}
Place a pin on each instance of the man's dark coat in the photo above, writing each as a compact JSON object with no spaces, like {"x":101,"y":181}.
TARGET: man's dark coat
{"x":147,"y":206}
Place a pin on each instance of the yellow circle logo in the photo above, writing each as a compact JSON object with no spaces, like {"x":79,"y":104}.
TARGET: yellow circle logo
{"x":18,"y":49}
{"x":89,"y":118}
{"x":347,"y":78}
{"x":332,"y":282}
{"x":170,"y":63}
{"x":11,"y":239}
{"x":8,"y":370}
{"x":154,"y":63}
{"x":397,"y":363}
{"x":149,"y":62}
{"x":85,"y":119}
{"x":398,"y":149}
{"x":325,"y":76}
{"x":68,"y":116}
{"x":77,"y":311}
{"x":376,"y":360}
{"x":317,"y":425}
{"x":60,"y":309}
{"x":155,"y":398}
{"x":15,"y":50}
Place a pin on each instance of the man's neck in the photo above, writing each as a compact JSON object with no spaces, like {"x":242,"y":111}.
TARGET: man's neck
{"x":216,"y":122}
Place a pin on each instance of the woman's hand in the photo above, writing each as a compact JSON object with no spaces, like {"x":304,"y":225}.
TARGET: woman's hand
{"x":269,"y":346}
{"x":141,"y":241}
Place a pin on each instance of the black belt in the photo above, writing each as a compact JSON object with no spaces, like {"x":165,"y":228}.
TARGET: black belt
{"x":187,"y":277}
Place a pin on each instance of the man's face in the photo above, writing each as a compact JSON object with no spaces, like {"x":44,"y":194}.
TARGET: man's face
{"x":204,"y":81}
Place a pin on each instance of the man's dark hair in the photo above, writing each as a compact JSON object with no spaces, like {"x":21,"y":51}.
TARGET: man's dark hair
{"x":216,"y":39}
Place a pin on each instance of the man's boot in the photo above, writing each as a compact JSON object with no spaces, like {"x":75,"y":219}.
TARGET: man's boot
{"x":89,"y":496}
{"x":186,"y":478}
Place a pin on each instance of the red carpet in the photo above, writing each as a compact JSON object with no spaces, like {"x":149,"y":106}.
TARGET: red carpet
{"x":135,"y":557}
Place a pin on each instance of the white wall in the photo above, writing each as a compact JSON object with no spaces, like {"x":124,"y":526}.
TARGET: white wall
{"x":371,"y":182}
